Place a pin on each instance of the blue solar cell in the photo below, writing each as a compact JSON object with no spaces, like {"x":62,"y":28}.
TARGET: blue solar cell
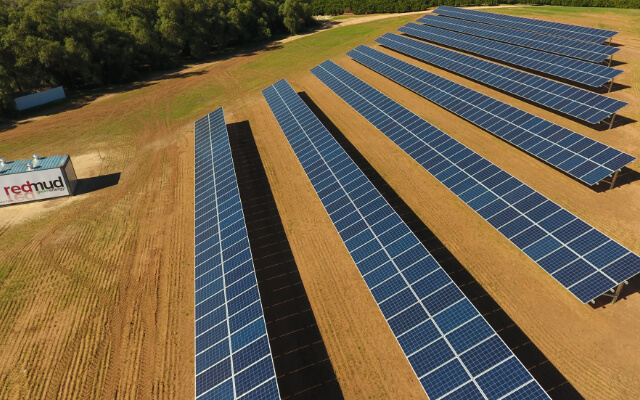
{"x":622,"y":268}
{"x":530,"y":391}
{"x":492,"y":208}
{"x":423,"y":334}
{"x":455,"y":316}
{"x":606,"y":254}
{"x":542,"y":248}
{"x":582,"y":104}
{"x":254,"y":376}
{"x":431,"y":283}
{"x":380,"y":274}
{"x":583,"y":72}
{"x":267,"y":391}
{"x":407,"y":319}
{"x":444,"y":379}
{"x":485,"y":355}
{"x":230,"y":327}
{"x":574,"y":272}
{"x":212,"y":355}
{"x":571,"y":231}
{"x":503,"y":378}
{"x":468,"y":392}
{"x":411,"y":320}
{"x":213,"y":376}
{"x":442,"y":299}
{"x":528,"y":237}
{"x":537,"y":228}
{"x":590,"y":241}
{"x":431,"y":357}
{"x":250,"y":354}
{"x":557,"y":259}
{"x":397,"y":303}
{"x":591,"y":286}
{"x":515,"y":227}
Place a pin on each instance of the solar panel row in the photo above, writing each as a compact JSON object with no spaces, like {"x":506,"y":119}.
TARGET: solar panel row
{"x":579,"y":103}
{"x":528,"y":24}
{"x":579,"y":257}
{"x":562,"y":46}
{"x":233,"y":356}
{"x":579,"y":156}
{"x":586,"y":73}
{"x":452,"y":349}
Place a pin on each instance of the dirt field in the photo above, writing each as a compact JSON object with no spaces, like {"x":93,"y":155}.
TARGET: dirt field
{"x":96,"y":291}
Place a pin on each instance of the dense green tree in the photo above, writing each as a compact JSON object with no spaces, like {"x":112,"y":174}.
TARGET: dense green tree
{"x":46,"y":43}
{"x":296,"y":14}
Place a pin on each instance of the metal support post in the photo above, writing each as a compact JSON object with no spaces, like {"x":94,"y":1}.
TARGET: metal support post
{"x":613,"y":117}
{"x":610,"y":86}
{"x":610,"y":59}
{"x":613,"y":180}
{"x":617,"y":293}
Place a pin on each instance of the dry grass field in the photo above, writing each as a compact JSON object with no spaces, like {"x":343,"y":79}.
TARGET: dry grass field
{"x":96,"y":291}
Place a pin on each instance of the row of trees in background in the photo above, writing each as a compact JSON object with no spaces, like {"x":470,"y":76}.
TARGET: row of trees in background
{"x":45,"y":43}
{"x":335,"y":7}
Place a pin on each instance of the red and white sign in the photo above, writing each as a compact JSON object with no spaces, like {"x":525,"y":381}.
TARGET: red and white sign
{"x":32,"y":186}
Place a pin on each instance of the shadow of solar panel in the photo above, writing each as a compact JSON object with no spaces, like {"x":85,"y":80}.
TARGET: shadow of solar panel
{"x":536,"y":225}
{"x":562,"y":46}
{"x":534,"y":135}
{"x":576,"y":32}
{"x":426,"y":311}
{"x":233,"y":357}
{"x":586,"y":73}
{"x":579,"y":103}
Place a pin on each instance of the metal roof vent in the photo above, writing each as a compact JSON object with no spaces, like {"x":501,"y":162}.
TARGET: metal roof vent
{"x":3,"y":162}
{"x":34,"y":162}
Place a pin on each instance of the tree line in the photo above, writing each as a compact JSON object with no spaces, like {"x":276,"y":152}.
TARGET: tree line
{"x":45,"y":43}
{"x":335,"y":7}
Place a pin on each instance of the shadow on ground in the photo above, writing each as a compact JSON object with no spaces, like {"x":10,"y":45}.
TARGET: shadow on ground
{"x":88,"y":185}
{"x":531,"y":357}
{"x":301,"y":361}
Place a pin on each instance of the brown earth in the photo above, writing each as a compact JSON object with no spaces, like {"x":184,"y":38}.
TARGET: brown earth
{"x":96,"y":291}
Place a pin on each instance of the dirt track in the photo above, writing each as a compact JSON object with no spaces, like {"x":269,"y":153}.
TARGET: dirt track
{"x":97,"y":290}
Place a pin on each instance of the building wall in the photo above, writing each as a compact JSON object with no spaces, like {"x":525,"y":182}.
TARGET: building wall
{"x":36,"y":99}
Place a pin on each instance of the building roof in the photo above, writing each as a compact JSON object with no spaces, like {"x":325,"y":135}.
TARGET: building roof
{"x":16,"y":167}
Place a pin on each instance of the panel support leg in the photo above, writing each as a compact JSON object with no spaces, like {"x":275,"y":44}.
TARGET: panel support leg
{"x":617,"y":293}
{"x":609,"y":42}
{"x":613,"y":180}
{"x":610,"y":86}
{"x":610,"y":59}
{"x":613,"y":117}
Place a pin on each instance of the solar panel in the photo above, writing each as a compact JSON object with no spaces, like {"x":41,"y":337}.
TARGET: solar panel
{"x":565,"y":47}
{"x":579,"y":257}
{"x":586,"y":73}
{"x":579,"y":103}
{"x":233,"y":356}
{"x":451,"y":348}
{"x":552,"y":143}
{"x":577,"y":32}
